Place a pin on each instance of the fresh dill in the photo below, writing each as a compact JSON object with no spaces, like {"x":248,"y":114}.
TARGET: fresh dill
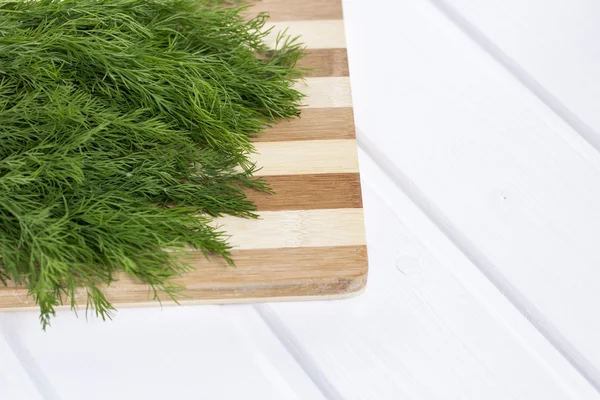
{"x":125,"y":127}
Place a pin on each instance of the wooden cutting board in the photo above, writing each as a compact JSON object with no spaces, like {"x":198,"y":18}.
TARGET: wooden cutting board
{"x":309,"y":242}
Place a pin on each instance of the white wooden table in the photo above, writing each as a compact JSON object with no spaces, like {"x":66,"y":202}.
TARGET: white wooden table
{"x":479,"y":133}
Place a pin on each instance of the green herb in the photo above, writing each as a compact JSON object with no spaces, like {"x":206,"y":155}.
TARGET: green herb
{"x":125,"y":126}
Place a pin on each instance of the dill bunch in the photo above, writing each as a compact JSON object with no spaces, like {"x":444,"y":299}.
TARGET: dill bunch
{"x":125,"y":127}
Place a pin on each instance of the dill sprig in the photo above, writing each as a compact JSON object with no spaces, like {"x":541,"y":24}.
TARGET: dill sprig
{"x":125,"y":126}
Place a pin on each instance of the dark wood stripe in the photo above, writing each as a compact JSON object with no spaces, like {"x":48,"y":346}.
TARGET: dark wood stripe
{"x":326,"y":62}
{"x":274,"y":266}
{"x":267,"y":273}
{"x":313,"y":124}
{"x":292,"y":10}
{"x":309,"y":192}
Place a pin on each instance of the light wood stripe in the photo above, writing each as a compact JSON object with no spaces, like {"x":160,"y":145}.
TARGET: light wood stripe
{"x":313,"y":124}
{"x":301,"y":228}
{"x":333,"y":92}
{"x":325,"y":62}
{"x":286,"y":10}
{"x":306,"y":157}
{"x":317,"y":34}
{"x":309,"y":192}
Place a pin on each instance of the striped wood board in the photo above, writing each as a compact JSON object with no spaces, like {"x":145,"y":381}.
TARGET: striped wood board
{"x":309,"y":242}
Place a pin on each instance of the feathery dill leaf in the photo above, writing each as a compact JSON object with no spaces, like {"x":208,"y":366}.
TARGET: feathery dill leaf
{"x":125,"y":126}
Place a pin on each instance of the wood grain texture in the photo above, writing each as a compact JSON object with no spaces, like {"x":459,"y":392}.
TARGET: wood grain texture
{"x":309,"y":192}
{"x":284,"y":265}
{"x":305,"y":241}
{"x":285,"y":10}
{"x":313,"y":124}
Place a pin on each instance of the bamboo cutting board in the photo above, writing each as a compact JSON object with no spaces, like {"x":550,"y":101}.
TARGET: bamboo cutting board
{"x":309,"y":241}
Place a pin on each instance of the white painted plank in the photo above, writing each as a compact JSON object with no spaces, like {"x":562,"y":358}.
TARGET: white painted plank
{"x":207,"y":352}
{"x":552,"y":44}
{"x":14,"y":382}
{"x":514,"y":186}
{"x":420,"y":332}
